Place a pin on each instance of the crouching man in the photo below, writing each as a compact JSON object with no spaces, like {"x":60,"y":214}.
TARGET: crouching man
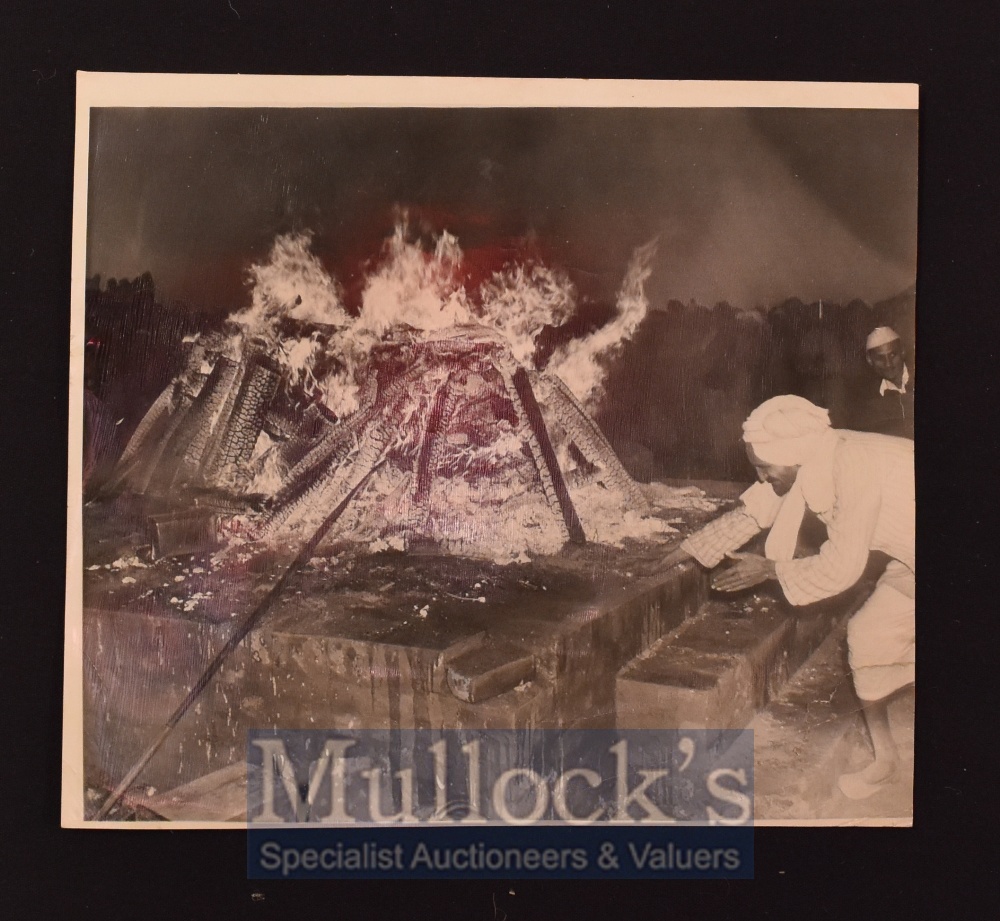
{"x":861,"y":486}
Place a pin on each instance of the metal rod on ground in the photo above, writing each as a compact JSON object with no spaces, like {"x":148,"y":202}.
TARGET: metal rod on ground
{"x":240,"y":631}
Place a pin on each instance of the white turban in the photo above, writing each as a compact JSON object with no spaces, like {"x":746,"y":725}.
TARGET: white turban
{"x":880,"y":336}
{"x":786,"y":430}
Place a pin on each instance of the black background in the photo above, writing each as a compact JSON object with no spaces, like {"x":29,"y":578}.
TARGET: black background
{"x":942,"y":867}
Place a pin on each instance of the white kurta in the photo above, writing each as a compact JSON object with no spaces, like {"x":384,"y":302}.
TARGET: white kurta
{"x":872,"y":508}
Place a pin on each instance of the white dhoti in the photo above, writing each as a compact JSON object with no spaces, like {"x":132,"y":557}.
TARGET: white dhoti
{"x":881,"y":636}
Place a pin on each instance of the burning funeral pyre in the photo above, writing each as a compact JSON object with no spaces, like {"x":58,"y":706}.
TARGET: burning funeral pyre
{"x":304,"y":453}
{"x":425,"y":416}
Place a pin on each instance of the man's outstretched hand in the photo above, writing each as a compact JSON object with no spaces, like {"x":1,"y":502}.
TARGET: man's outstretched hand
{"x":750,"y":569}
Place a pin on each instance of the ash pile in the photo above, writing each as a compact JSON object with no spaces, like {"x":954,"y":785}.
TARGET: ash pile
{"x":425,"y":416}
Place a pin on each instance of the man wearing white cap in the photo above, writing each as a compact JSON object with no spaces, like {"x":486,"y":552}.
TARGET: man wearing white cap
{"x":891,"y":410}
{"x":861,"y":486}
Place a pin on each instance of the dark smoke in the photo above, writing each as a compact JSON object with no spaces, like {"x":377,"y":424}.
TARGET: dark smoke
{"x":751,"y":206}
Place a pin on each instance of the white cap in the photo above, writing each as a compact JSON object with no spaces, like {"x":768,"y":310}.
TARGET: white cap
{"x":880,"y":336}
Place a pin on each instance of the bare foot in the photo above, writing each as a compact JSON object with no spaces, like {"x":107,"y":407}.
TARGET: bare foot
{"x":862,"y":784}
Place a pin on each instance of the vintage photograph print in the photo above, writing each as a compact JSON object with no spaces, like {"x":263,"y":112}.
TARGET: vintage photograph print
{"x":485,"y":405}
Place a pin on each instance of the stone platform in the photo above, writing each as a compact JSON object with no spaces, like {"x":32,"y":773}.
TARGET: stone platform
{"x":594,"y":637}
{"x":718,"y":669}
{"x":358,"y":639}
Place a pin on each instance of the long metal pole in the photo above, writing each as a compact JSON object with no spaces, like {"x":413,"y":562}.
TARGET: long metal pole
{"x":242,"y":628}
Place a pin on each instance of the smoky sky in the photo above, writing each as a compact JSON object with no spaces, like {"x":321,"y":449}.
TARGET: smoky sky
{"x":750,"y":206}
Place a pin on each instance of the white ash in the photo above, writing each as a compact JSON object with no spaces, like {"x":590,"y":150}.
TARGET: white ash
{"x":662,"y":496}
{"x":128,"y":562}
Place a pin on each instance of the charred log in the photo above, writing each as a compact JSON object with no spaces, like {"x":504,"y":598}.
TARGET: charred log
{"x":184,"y":450}
{"x":588,"y":438}
{"x":468,"y":439}
{"x":243,"y":423}
{"x":534,"y":417}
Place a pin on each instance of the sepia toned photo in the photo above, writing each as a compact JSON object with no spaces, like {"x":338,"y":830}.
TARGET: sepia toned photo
{"x":534,"y":406}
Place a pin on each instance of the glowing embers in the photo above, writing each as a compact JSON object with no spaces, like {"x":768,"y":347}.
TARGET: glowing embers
{"x":471,"y":450}
{"x":426,"y":408}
